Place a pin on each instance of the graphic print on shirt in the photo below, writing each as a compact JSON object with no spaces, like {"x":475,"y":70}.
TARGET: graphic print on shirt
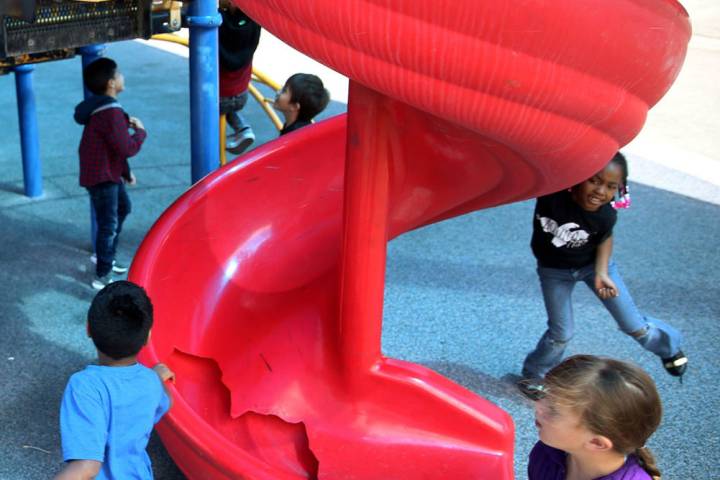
{"x":564,"y":235}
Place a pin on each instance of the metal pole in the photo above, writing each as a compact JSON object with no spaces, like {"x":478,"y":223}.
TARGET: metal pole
{"x":204,"y":21}
{"x":27,"y":118}
{"x":90,"y":53}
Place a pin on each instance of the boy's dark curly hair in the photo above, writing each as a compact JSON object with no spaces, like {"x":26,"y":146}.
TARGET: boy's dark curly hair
{"x":119,"y":319}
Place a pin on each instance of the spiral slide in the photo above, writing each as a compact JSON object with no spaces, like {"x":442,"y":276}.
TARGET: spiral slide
{"x":267,"y":276}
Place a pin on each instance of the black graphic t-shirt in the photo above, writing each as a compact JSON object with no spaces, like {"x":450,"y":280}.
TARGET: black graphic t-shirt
{"x":565,"y":235}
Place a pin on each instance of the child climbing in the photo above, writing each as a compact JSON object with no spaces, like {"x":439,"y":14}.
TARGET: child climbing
{"x":572,"y":241}
{"x":594,"y":419}
{"x":238,"y":38}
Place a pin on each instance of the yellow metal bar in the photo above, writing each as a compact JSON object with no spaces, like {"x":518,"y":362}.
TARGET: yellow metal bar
{"x":262,"y":78}
{"x":265,"y":105}
{"x":223,"y":137}
{"x":169,"y":37}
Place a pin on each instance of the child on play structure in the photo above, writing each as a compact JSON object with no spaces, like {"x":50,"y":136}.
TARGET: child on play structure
{"x":572,"y":241}
{"x":594,"y":419}
{"x":302,"y":97}
{"x":108,"y":410}
{"x":104,"y":149}
{"x":238,"y":38}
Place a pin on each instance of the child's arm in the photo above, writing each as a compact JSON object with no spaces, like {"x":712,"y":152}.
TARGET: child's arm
{"x":165,"y":374}
{"x":118,"y":137}
{"x":79,"y":470}
{"x":83,"y":429}
{"x":604,"y":286}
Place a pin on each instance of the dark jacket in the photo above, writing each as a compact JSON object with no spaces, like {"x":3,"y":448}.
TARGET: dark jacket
{"x":238,"y":39}
{"x":296,"y":125}
{"x":106,"y":143}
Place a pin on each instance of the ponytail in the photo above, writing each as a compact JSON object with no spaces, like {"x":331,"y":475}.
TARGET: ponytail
{"x":647,"y":462}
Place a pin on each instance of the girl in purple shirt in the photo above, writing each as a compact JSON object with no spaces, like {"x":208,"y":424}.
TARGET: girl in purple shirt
{"x":593,"y":421}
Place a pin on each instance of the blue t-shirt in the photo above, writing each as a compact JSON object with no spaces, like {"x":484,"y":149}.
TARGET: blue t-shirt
{"x":107,"y":414}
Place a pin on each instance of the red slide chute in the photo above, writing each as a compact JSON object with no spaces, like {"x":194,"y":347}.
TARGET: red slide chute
{"x":267,"y":276}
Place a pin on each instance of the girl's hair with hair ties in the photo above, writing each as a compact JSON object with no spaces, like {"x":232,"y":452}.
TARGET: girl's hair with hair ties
{"x":623,"y":199}
{"x":620,"y":160}
{"x":615,"y":399}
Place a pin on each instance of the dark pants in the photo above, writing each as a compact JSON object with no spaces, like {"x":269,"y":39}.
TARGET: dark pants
{"x":230,"y":107}
{"x":112,"y":204}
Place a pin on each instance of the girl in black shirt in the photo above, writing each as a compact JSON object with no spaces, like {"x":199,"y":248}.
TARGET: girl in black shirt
{"x":572,"y":241}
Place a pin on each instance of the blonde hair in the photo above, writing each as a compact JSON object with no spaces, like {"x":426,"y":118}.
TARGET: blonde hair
{"x":615,"y":399}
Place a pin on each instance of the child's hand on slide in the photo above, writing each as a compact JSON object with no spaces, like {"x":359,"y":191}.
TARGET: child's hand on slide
{"x":605,"y":287}
{"x":164,"y":372}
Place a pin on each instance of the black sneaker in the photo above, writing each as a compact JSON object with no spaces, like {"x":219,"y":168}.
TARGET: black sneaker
{"x":676,"y":365}
{"x":532,"y":388}
{"x":99,"y":283}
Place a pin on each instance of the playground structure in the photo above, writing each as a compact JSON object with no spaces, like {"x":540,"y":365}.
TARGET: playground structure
{"x":273,"y":320}
{"x":257,"y":77}
{"x":33,"y":31}
{"x":36,"y":31}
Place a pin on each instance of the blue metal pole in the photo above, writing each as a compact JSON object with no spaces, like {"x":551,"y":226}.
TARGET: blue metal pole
{"x":27,"y":118}
{"x":204,"y":21}
{"x":90,"y":53}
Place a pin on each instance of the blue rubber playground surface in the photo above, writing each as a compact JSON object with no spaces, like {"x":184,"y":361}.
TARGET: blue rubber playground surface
{"x":462,"y":296}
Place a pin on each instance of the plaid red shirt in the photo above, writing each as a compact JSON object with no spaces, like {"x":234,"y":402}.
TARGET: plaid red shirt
{"x":106,"y":145}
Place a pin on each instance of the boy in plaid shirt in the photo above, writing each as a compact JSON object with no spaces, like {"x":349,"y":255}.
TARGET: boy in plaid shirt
{"x":104,"y":149}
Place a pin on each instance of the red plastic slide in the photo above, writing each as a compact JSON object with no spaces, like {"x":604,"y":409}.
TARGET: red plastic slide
{"x":267,"y":276}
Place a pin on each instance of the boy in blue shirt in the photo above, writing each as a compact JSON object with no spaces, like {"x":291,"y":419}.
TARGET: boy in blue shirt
{"x":108,"y":410}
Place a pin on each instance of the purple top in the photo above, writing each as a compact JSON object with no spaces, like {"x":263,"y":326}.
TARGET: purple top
{"x":548,"y":463}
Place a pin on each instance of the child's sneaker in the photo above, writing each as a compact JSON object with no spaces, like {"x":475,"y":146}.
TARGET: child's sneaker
{"x":532,"y":388}
{"x":240,"y":141}
{"x":676,"y":365}
{"x":99,"y":283}
{"x":119,"y":267}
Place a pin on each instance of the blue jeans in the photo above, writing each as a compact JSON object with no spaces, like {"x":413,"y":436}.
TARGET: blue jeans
{"x":231,"y":107}
{"x":112,"y":204}
{"x":557,"y":285}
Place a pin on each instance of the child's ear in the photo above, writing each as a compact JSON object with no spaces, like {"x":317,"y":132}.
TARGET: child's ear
{"x":600,"y":443}
{"x":295,"y":106}
{"x":148,"y":337}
